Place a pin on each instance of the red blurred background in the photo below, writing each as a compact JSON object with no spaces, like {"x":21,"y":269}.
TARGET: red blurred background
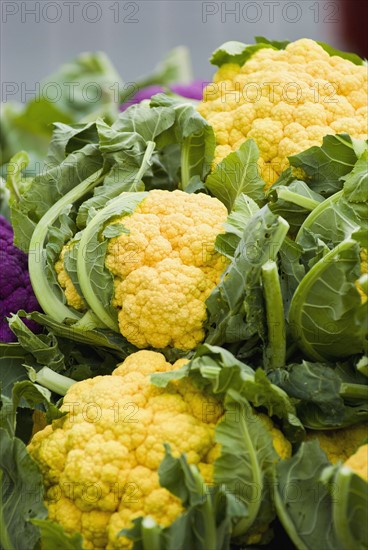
{"x":354,"y":28}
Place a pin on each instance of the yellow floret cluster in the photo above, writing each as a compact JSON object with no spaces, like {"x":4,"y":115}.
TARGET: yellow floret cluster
{"x":100,"y":461}
{"x":358,"y":462}
{"x":71,"y":294}
{"x":340,"y":445}
{"x":287,"y":101}
{"x":166,"y":267}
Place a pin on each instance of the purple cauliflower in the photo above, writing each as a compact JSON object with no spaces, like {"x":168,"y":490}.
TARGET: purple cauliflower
{"x":194,"y":90}
{"x":15,"y":286}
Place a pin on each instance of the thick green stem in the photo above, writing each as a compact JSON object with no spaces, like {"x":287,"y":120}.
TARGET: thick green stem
{"x":51,"y":380}
{"x":276,"y":349}
{"x":184,"y":161}
{"x":362,"y":365}
{"x":86,"y":251}
{"x":299,"y":200}
{"x":151,"y":534}
{"x":357,"y":392}
{"x":363,"y":283}
{"x":37,"y":259}
{"x":207,"y":511}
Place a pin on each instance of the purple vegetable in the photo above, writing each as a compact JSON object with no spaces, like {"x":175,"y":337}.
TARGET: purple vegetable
{"x":15,"y":286}
{"x":194,"y":90}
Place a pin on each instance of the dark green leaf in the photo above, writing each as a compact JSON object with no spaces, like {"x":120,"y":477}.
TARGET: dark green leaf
{"x":235,"y":307}
{"x":324,"y":166}
{"x":356,"y":182}
{"x":303,"y":502}
{"x":21,"y":495}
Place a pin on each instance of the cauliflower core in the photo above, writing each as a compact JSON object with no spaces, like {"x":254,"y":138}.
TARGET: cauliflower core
{"x":287,"y":101}
{"x":166,"y":267}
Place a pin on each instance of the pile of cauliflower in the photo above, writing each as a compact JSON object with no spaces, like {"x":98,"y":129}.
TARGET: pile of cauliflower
{"x":287,"y":101}
{"x":100,"y":461}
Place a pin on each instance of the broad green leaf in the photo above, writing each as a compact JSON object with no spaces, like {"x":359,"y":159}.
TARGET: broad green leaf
{"x":280,"y":45}
{"x":247,"y":454}
{"x":356,"y":182}
{"x":53,"y":536}
{"x":349,"y":508}
{"x":304,"y":504}
{"x":236,"y":307}
{"x":21,"y":494}
{"x":327,"y":397}
{"x":131,"y":160}
{"x":236,"y":52}
{"x":243,"y":209}
{"x":195,"y":136}
{"x":292,"y":270}
{"x":324,"y":166}
{"x":317,"y":388}
{"x":327,"y":317}
{"x":354,"y":58}
{"x":12,"y":357}
{"x":333,"y":221}
{"x":46,"y":189}
{"x":149,"y":123}
{"x":7,"y":414}
{"x":67,"y":139}
{"x":237,"y":173}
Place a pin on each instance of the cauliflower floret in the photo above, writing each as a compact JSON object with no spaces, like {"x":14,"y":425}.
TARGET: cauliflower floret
{"x":287,"y":101}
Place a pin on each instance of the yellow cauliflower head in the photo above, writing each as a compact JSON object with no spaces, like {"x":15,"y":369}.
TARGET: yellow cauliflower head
{"x":100,"y":462}
{"x":287,"y":101}
{"x":166,"y":267}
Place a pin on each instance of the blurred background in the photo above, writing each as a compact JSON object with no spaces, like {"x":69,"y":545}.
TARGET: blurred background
{"x":135,"y":48}
{"x":37,"y":37}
